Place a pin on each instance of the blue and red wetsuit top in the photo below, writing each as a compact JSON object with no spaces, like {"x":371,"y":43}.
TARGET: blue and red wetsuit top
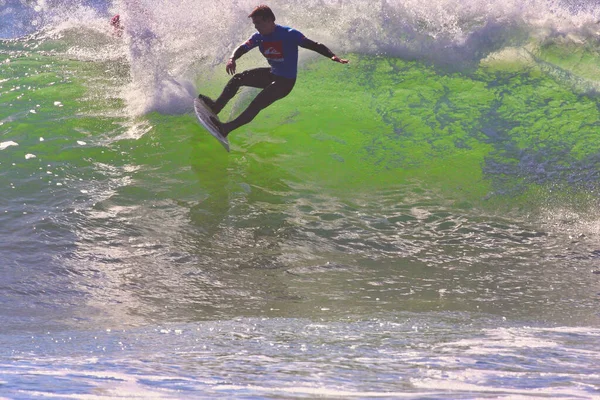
{"x":280,"y":48}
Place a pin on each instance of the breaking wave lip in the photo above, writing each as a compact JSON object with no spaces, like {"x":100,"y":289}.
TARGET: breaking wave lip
{"x":444,"y":31}
{"x":163,"y":41}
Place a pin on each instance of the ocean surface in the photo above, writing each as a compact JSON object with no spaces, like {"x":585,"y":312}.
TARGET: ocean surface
{"x":423,"y":222}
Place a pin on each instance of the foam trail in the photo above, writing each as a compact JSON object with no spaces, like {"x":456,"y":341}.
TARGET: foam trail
{"x":152,"y":87}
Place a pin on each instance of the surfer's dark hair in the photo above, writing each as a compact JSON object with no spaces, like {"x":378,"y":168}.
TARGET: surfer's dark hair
{"x":262,"y":11}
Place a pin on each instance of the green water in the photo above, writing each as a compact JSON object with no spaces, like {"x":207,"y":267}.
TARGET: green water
{"x":470,"y":134}
{"x":502,"y":129}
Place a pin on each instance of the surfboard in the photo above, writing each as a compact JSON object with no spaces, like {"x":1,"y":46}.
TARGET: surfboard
{"x":203,"y":114}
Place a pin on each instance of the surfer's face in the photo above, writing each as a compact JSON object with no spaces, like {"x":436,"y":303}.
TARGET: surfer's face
{"x":264,"y":26}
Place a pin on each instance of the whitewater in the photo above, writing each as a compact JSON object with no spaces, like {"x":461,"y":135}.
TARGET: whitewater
{"x":420,"y":223}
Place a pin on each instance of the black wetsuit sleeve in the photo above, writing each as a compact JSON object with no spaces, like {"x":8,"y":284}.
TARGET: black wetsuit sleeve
{"x":318,"y":47}
{"x":240,"y":51}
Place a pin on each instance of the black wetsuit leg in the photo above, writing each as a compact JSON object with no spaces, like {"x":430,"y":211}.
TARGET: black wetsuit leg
{"x":258,"y":78}
{"x":275,"y":88}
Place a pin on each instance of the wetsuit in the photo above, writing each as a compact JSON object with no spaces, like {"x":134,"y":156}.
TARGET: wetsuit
{"x":280,"y":48}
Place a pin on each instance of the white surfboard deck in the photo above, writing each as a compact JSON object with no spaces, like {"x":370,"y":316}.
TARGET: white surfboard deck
{"x":203,"y":114}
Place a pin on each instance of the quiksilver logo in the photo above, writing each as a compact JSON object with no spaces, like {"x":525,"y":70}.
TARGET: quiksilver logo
{"x":272,"y":52}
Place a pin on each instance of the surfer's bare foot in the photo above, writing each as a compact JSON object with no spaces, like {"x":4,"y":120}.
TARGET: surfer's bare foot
{"x":208,"y":101}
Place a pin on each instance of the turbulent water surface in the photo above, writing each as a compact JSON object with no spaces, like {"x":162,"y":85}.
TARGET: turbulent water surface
{"x":422,"y":222}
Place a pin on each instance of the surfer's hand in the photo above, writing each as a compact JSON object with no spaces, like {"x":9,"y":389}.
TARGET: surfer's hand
{"x":340,"y":60}
{"x":230,"y":68}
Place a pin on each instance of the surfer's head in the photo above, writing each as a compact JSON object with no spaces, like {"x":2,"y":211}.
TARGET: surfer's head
{"x":263,"y":19}
{"x":262,"y":11}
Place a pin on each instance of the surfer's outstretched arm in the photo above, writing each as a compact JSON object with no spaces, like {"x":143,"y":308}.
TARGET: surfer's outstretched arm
{"x":321,"y":49}
{"x":240,"y":51}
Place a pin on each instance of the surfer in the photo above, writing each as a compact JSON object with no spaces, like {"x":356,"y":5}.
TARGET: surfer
{"x":116,"y":24}
{"x":279,"y":45}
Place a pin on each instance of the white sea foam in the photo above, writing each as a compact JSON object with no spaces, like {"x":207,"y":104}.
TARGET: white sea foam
{"x":5,"y":145}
